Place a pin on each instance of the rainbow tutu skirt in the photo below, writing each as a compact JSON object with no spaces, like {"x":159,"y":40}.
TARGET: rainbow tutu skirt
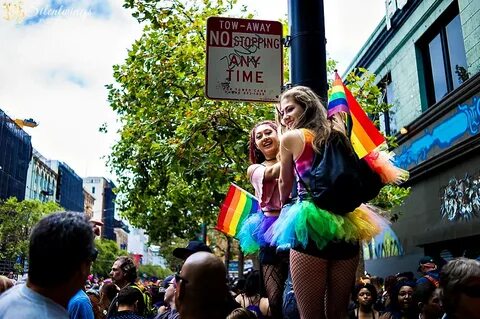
{"x":303,"y":221}
{"x":252,"y":233}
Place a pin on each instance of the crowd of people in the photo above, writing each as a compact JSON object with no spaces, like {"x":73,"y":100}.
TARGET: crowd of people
{"x":312,"y":189}
{"x":201,"y":289}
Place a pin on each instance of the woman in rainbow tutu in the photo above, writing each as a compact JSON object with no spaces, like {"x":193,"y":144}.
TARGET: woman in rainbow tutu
{"x":263,"y":174}
{"x":323,"y":234}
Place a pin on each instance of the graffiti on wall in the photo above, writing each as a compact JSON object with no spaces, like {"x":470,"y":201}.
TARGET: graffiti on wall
{"x":454,"y":127}
{"x":386,"y":244}
{"x":460,"y":198}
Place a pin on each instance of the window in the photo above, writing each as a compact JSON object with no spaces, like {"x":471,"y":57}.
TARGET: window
{"x":443,"y":56}
{"x":93,"y":189}
{"x":388,"y":123}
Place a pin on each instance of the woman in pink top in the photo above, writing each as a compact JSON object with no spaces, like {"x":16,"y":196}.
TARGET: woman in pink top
{"x":263,"y":174}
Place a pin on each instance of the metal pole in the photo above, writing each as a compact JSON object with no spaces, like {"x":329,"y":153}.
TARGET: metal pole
{"x":308,"y":57}
{"x":227,"y":253}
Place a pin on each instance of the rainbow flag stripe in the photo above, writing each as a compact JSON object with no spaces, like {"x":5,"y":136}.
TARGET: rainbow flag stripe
{"x":238,"y":204}
{"x":337,"y":101}
{"x":365,"y":137}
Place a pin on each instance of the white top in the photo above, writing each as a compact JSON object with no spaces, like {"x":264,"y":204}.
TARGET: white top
{"x":21,"y":302}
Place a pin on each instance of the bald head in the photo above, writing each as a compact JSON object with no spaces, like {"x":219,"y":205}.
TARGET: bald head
{"x":202,"y":286}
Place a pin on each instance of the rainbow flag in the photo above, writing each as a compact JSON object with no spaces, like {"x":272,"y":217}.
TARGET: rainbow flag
{"x":236,"y":207}
{"x":365,"y":137}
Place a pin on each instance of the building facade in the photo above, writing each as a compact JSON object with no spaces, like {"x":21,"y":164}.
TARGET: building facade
{"x":104,"y":206}
{"x":69,"y":193}
{"x":143,"y":253}
{"x":15,"y":155}
{"x":428,"y":62}
{"x":121,"y":231}
{"x":88,"y":203}
{"x":41,"y":179}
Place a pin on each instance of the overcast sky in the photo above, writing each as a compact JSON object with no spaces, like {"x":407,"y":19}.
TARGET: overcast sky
{"x":53,"y":67}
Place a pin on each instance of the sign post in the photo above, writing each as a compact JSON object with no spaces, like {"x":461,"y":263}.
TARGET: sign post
{"x":244,"y":59}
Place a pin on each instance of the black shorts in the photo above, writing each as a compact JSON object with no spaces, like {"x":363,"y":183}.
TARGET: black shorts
{"x":340,"y":250}
{"x":269,"y":256}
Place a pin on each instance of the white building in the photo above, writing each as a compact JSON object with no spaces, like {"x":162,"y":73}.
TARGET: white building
{"x":138,"y":245}
{"x":41,"y":179}
{"x":95,"y":186}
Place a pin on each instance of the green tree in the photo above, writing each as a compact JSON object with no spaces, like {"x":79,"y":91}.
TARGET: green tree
{"x":108,"y":251}
{"x":146,"y":271}
{"x":178,"y":151}
{"x":166,"y":250}
{"x":17,"y":219}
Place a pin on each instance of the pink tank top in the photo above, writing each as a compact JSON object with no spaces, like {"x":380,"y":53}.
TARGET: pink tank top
{"x":266,"y":192}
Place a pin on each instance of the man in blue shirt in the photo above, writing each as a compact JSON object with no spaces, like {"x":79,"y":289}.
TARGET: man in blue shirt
{"x":80,"y":306}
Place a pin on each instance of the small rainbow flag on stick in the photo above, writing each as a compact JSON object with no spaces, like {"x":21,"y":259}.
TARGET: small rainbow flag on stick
{"x":365,"y":136}
{"x":237,"y":206}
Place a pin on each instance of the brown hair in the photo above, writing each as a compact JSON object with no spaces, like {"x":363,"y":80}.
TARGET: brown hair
{"x":255,"y":155}
{"x":314,"y":116}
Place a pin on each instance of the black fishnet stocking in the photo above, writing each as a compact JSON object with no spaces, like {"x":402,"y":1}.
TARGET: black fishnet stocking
{"x":274,"y":277}
{"x":309,"y":276}
{"x":341,"y":279}
{"x":322,"y":287}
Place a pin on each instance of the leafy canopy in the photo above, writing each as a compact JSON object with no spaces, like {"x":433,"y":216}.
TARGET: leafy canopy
{"x":17,"y":219}
{"x":178,"y":151}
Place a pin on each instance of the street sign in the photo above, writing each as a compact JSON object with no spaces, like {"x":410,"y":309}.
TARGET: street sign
{"x":244,"y":59}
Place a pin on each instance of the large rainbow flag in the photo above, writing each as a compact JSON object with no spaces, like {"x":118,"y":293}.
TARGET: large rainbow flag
{"x":236,"y":207}
{"x":365,"y":137}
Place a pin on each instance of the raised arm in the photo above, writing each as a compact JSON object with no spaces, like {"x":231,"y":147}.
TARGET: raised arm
{"x":291,"y":144}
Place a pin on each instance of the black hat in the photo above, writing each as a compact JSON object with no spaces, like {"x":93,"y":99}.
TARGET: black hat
{"x":193,"y":246}
{"x":425,"y":260}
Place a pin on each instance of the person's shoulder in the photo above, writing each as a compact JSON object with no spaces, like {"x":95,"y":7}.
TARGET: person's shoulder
{"x":80,"y":295}
{"x":292,"y":136}
{"x":252,"y":168}
{"x":20,"y":302}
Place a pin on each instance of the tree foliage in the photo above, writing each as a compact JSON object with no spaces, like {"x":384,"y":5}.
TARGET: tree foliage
{"x":108,"y":251}
{"x":148,"y":271}
{"x":179,"y":151}
{"x":166,"y":250}
{"x":17,"y":219}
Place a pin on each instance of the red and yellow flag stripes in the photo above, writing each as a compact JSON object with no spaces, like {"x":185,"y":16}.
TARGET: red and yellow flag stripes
{"x":237,"y":206}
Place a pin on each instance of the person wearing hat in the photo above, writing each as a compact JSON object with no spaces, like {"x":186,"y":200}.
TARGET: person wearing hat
{"x":429,"y":268}
{"x":194,"y":246}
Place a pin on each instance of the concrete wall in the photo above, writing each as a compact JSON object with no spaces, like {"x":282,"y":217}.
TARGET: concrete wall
{"x":470,"y":18}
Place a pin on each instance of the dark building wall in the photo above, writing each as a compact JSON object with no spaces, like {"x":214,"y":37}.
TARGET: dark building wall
{"x":15,"y":155}
{"x":442,"y":207}
{"x":69,"y":189}
{"x":109,"y":212}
